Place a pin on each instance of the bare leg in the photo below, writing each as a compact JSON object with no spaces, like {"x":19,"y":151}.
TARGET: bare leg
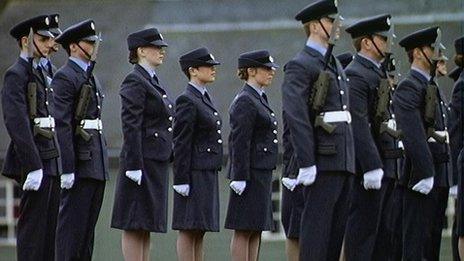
{"x":239,"y":245}
{"x":253,"y":246}
{"x":132,"y":245}
{"x":292,"y":248}
{"x":186,"y":245}
{"x":461,"y":247}
{"x":146,"y":247}
{"x":199,"y":245}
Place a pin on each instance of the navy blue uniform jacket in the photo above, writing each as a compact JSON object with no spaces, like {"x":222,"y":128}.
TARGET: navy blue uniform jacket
{"x":314,"y":146}
{"x":197,"y":135}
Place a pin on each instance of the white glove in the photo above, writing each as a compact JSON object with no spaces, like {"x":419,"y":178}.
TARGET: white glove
{"x":289,"y":183}
{"x":238,"y":186}
{"x":306,"y":176}
{"x":373,"y":179}
{"x":453,"y":191}
{"x":424,"y":186}
{"x":33,"y":180}
{"x":135,"y":175}
{"x":183,"y":189}
{"x":67,"y":180}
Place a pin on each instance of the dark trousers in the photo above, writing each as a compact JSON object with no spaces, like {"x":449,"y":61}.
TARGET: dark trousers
{"x":396,"y":222}
{"x":366,"y":229}
{"x":416,"y":208}
{"x":324,"y":216}
{"x":37,"y":221}
{"x":438,"y":201}
{"x":79,"y":210}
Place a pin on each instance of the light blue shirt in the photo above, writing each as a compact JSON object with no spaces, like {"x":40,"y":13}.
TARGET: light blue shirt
{"x":201,"y":89}
{"x":316,"y":46}
{"x":260,"y":91}
{"x":84,"y":65}
{"x":370,"y":59}
{"x":24,"y":57}
{"x":149,"y":70}
{"x":425,"y":74}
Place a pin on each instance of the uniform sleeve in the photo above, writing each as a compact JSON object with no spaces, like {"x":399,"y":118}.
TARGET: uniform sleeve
{"x":18,"y":125}
{"x":64,"y":99}
{"x":242,"y":119}
{"x":296,"y":90}
{"x":132,"y":108}
{"x":365,"y":147}
{"x":456,"y":123}
{"x":184,"y":129}
{"x":406,"y":105}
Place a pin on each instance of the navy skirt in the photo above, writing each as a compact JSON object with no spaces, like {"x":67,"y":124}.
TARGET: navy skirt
{"x":253,"y":209}
{"x":292,"y":208}
{"x":142,"y":207}
{"x":199,"y":210}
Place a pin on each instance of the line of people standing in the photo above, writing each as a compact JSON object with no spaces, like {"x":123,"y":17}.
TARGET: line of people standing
{"x":358,"y":146}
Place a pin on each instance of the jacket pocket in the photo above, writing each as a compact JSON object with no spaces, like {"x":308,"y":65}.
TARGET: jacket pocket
{"x":84,"y":154}
{"x":47,"y":154}
{"x":326,"y":149}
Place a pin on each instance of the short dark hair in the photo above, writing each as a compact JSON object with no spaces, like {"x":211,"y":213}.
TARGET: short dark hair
{"x":357,"y":43}
{"x":186,"y":72}
{"x":133,"y":57}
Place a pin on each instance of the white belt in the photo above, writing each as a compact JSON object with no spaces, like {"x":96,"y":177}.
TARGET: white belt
{"x":45,"y":122}
{"x":336,"y":116}
{"x":441,"y":133}
{"x":391,"y":123}
{"x":92,"y":124}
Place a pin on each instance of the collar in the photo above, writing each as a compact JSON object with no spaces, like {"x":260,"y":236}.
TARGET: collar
{"x":258,"y":90}
{"x":149,"y":69}
{"x":316,"y":46}
{"x":201,"y":89}
{"x":79,"y":62}
{"x":421,"y":72}
{"x":377,"y":64}
{"x":24,"y":57}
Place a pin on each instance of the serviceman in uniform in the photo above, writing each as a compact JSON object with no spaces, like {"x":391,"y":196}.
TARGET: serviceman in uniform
{"x":375,"y":137}
{"x":421,"y":115}
{"x":78,"y":101}
{"x":315,"y":108}
{"x":32,"y":158}
{"x":46,"y":63}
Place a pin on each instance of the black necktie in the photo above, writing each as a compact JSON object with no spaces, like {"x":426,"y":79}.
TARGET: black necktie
{"x":207,"y":96}
{"x":155,"y":78}
{"x":264,"y":96}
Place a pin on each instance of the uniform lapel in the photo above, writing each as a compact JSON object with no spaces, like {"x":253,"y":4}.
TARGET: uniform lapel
{"x":201,"y":96}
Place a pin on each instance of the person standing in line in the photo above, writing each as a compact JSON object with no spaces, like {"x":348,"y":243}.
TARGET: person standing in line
{"x":197,"y":156}
{"x":32,"y":158}
{"x":253,"y":156}
{"x":316,"y":110}
{"x":78,"y":99}
{"x":141,"y":196}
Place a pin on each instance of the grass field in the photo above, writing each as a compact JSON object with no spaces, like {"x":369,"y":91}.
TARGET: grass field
{"x":107,"y":241}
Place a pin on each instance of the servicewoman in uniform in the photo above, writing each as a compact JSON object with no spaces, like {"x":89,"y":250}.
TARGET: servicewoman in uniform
{"x":324,"y":156}
{"x":426,"y":173}
{"x":456,"y":137}
{"x":141,"y":197}
{"x":82,"y":143}
{"x":32,"y":158}
{"x":253,"y":155}
{"x":197,"y":156}
{"x":375,"y":148}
